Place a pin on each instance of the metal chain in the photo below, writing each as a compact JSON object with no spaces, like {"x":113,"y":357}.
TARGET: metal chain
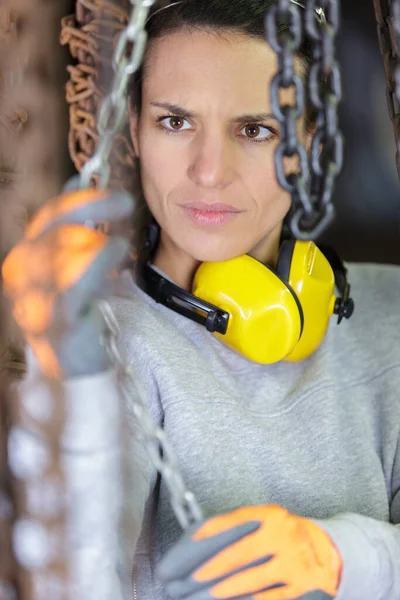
{"x":325,"y":90}
{"x":126,"y":61}
{"x":286,"y":44}
{"x":127,"y":58}
{"x":160,"y":450}
{"x":312,"y":210}
{"x":388,"y":24}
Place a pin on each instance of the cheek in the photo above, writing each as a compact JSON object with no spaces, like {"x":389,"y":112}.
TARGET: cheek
{"x":272,"y":201}
{"x":158,"y":170}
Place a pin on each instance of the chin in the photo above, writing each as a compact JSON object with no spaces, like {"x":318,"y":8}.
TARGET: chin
{"x":215,"y":253}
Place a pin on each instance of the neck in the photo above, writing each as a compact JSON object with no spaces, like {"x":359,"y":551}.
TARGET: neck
{"x":178,"y":265}
{"x":267,"y":249}
{"x":181,"y":267}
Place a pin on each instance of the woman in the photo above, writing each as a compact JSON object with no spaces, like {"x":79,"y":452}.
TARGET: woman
{"x":300,"y":460}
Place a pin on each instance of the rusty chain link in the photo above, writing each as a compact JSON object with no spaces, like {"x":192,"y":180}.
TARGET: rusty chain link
{"x":311,"y":189}
{"x":388,"y":25}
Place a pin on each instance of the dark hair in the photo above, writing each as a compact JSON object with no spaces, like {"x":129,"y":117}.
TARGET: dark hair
{"x":244,"y":17}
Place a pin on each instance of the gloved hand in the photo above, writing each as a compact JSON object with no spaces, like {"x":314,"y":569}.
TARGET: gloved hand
{"x":55,"y":274}
{"x":255,"y":553}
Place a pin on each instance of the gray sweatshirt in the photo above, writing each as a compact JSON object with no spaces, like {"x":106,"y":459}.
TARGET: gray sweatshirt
{"x":319,"y":437}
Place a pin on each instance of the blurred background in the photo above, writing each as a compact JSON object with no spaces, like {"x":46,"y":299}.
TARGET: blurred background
{"x":367,"y":194}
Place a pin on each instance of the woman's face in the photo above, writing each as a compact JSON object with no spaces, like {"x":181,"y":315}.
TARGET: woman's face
{"x":206,"y":142}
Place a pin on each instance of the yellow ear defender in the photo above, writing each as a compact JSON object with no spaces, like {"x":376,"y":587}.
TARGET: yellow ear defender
{"x":264,"y":314}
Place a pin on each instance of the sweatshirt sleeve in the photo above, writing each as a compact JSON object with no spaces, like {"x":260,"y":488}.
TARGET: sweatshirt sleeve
{"x":370,"y":550}
{"x":100,"y":449}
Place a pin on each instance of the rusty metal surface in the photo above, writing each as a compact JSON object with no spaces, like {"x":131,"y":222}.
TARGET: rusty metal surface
{"x":91,"y":35}
{"x":32,"y":169}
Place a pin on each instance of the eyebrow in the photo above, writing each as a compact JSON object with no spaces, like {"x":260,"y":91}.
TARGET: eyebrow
{"x":183,"y":112}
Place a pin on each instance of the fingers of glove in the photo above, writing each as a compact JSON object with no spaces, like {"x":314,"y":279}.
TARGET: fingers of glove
{"x":315,"y":595}
{"x":53,"y":263}
{"x":255,"y":586}
{"x":264,"y":540}
{"x":187,"y":555}
{"x":59,"y":288}
{"x":286,"y":593}
{"x":189,"y":587}
{"x":74,"y":351}
{"x":80,"y":206}
{"x":92,"y":284}
{"x":304,"y":560}
{"x":203,"y":594}
{"x":257,"y":580}
{"x":33,"y":311}
{"x":266,"y":513}
{"x":45,"y":356}
{"x":79,"y":350}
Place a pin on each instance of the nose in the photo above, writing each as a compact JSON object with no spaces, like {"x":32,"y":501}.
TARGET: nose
{"x":212,"y":166}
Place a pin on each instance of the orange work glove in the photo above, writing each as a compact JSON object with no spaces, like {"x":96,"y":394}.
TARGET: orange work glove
{"x":256,"y":553}
{"x":55,"y":274}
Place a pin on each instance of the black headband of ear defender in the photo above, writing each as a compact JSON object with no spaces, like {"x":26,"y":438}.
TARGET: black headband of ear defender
{"x":177,"y":299}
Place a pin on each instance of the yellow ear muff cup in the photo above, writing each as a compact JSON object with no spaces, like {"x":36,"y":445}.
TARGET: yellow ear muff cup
{"x":313,"y":281}
{"x":265,"y":321}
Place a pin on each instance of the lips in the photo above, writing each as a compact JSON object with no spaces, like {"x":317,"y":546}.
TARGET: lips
{"x":215,"y":207}
{"x":210,"y":215}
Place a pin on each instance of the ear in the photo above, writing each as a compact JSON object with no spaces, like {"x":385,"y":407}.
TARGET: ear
{"x":133,"y":128}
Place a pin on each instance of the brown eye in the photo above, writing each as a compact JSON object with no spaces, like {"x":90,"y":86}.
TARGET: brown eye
{"x":173,"y":123}
{"x":257,"y":133}
{"x":252,"y":131}
{"x":176,"y":122}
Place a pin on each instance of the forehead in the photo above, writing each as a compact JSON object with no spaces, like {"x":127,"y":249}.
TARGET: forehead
{"x":199,"y":65}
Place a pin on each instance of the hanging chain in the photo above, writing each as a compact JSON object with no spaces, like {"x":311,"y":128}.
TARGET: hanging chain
{"x":312,"y":210}
{"x":160,"y":450}
{"x":388,"y":22}
{"x":325,"y":90}
{"x":126,"y":60}
{"x":286,"y":44}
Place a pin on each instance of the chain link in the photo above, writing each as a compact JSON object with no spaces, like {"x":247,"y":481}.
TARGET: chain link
{"x":160,"y":450}
{"x":311,"y":187}
{"x":126,"y":60}
{"x":388,"y":23}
